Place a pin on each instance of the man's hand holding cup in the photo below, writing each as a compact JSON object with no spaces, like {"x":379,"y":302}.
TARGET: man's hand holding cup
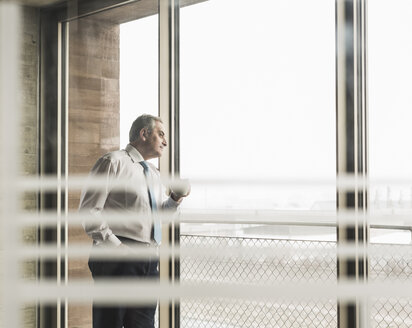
{"x":180,"y":188}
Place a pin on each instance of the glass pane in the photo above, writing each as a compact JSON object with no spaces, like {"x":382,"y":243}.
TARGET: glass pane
{"x":390,"y":71}
{"x":389,"y":83}
{"x":138,"y":72}
{"x":258,"y":100}
{"x":258,"y":104}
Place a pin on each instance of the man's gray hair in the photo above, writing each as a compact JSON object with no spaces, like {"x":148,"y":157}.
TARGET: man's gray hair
{"x":144,"y":121}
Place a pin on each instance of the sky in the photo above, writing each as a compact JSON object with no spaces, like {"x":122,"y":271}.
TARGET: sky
{"x":257,"y":93}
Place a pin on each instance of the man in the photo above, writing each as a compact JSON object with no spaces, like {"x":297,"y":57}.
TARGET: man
{"x":143,"y":196}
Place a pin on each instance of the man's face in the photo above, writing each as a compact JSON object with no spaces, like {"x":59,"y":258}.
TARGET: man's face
{"x":156,"y":141}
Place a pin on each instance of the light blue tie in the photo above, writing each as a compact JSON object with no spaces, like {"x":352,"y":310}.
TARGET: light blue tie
{"x":157,"y":228}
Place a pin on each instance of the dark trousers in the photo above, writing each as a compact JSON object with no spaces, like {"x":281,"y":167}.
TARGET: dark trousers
{"x":118,"y":315}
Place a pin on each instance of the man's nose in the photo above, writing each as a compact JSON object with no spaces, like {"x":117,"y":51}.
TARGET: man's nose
{"x":164,"y":142}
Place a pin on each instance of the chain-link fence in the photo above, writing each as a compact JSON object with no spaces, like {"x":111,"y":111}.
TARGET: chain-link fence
{"x":319,"y":264}
{"x":395,"y":265}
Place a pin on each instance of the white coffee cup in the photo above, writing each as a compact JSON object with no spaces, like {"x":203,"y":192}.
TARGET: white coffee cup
{"x":180,"y":187}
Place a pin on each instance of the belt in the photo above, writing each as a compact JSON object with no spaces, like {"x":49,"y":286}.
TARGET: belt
{"x":132,"y":241}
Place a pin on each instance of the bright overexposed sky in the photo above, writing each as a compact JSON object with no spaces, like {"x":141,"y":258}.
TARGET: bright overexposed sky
{"x":257,"y":73}
{"x":390,"y":80}
{"x":138,"y":72}
{"x":257,"y":89}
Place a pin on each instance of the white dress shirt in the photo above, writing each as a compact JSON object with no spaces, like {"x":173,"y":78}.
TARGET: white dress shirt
{"x":123,"y":164}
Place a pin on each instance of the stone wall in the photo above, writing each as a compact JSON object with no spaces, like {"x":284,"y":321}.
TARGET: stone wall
{"x":94,"y":121}
{"x":29,"y":150}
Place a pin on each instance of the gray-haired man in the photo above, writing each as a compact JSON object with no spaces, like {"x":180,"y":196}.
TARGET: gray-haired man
{"x":147,"y":140}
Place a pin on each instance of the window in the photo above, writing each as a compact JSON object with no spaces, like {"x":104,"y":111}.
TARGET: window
{"x":258,"y":101}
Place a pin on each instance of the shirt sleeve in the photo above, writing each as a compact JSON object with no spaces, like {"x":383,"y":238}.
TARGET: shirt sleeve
{"x":92,"y":201}
{"x":170,"y":204}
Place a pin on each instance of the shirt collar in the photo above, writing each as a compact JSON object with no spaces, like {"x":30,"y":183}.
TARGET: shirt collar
{"x":134,"y":154}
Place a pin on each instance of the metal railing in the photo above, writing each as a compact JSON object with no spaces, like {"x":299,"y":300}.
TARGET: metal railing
{"x":298,"y":266}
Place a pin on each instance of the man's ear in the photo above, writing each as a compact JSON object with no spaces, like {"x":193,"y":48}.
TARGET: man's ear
{"x":143,"y":134}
